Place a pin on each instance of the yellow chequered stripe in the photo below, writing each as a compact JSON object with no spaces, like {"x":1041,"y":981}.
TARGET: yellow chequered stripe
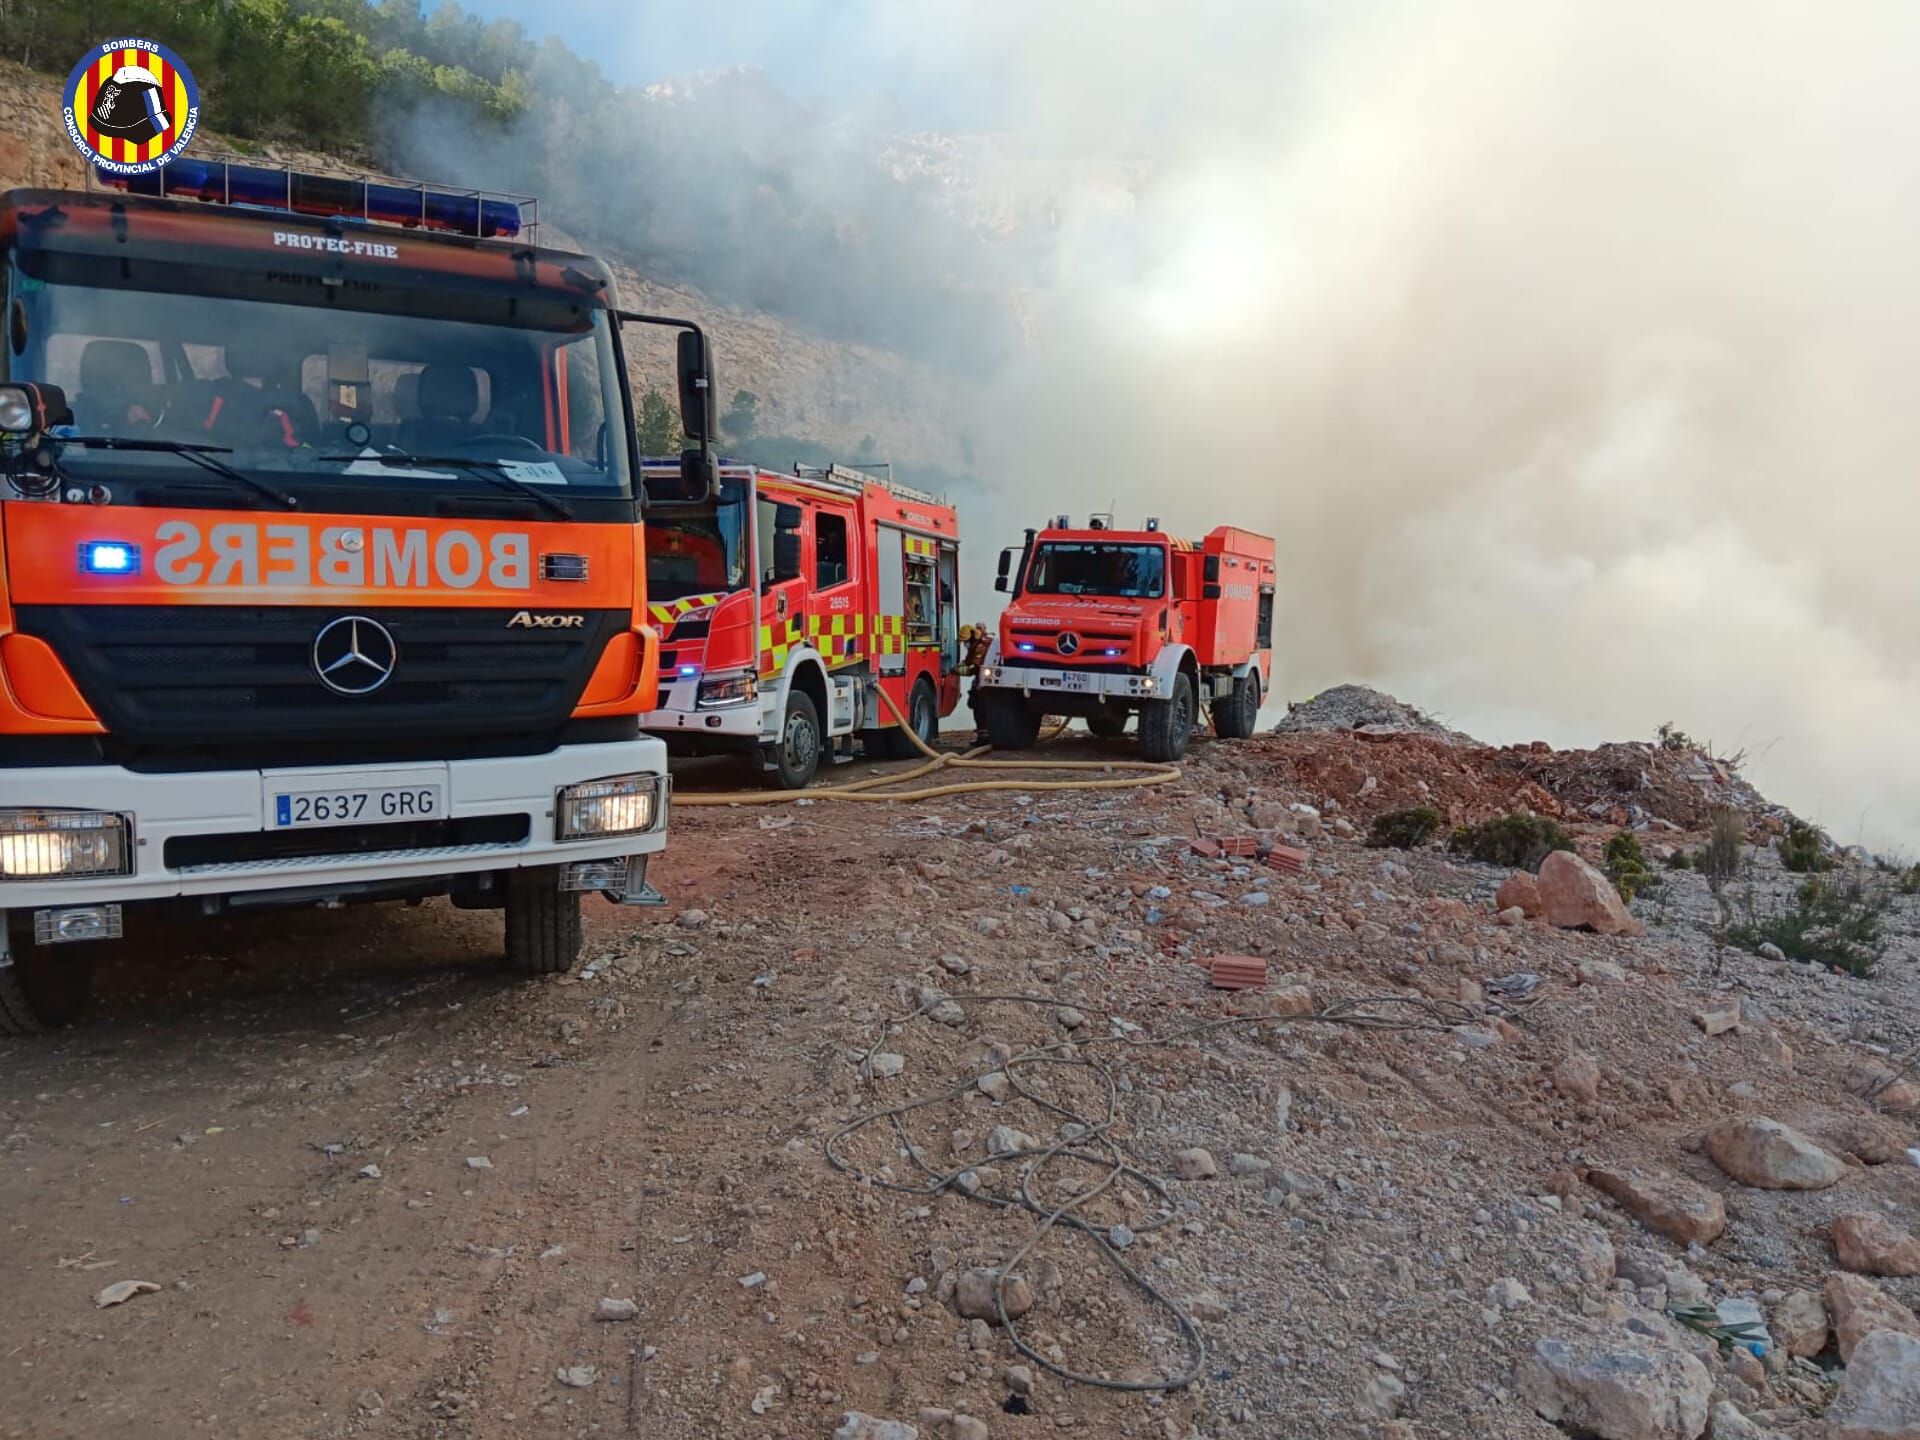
{"x":890,"y":635}
{"x":921,"y":545}
{"x":840,"y":639}
{"x":668,"y":611}
{"x":775,"y":641}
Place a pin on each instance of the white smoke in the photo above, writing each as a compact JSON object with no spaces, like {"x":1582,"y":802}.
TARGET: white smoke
{"x":1566,"y":345}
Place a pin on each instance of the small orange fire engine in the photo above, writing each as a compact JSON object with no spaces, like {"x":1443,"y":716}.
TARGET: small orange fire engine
{"x":1106,"y":623}
{"x":789,"y":604}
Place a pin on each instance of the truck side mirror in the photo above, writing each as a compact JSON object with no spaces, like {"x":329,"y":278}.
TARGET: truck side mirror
{"x":1210,"y":590}
{"x":1212,"y":571}
{"x":1006,"y":564}
{"x":699,"y":475}
{"x":696,"y":385}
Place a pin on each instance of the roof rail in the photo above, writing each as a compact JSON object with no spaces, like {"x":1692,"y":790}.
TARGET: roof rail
{"x":411,"y":204}
{"x":850,"y":480}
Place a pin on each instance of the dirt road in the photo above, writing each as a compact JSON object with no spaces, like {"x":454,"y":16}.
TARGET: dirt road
{"x":382,"y":1191}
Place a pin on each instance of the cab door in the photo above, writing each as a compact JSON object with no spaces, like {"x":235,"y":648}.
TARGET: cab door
{"x":836,"y":626}
{"x":783,"y":553}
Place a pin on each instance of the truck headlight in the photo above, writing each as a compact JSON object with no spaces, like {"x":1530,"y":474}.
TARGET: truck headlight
{"x":728,"y":687}
{"x":63,"y":844}
{"x":618,"y":805}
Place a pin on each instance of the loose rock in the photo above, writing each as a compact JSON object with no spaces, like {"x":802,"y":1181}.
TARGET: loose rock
{"x":1762,"y":1152}
{"x":1195,"y":1164}
{"x":1578,"y":1077}
{"x":1859,"y":1307}
{"x":1668,"y":1205}
{"x":856,"y":1426}
{"x":611,"y":1309}
{"x":1799,"y":1324}
{"x":973,"y":1295}
{"x":1519,"y":891}
{"x":1879,"y":1396}
{"x":1873,"y":1245}
{"x":1614,"y":1389}
{"x":1575,"y":896}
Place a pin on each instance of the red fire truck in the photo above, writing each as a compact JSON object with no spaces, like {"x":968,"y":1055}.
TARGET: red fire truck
{"x":789,"y":603}
{"x":320,"y":565}
{"x":1106,"y":623}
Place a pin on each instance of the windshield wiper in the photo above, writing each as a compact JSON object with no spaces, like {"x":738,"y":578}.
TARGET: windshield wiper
{"x":201,"y":455}
{"x":486,"y":469}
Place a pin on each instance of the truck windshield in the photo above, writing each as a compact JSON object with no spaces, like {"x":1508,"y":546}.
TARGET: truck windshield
{"x":698,"y":549}
{"x":1098,"y":568}
{"x":327,"y":391}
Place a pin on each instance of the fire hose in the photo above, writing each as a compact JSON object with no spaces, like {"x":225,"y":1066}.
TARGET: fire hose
{"x":872,"y":789}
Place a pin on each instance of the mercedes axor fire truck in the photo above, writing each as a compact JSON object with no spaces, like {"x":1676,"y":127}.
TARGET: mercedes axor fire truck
{"x":321,"y":566}
{"x":790,"y":604}
{"x":1105,"y":624}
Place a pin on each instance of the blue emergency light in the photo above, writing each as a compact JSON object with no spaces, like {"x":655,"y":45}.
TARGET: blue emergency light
{"x":221,"y":182}
{"x":109,"y":557}
{"x":686,"y":670}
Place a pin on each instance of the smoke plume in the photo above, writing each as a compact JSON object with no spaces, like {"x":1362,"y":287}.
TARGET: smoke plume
{"x":1563,"y":344}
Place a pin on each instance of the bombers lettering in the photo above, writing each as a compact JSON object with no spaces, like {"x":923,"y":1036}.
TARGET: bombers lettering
{"x":352,"y":556}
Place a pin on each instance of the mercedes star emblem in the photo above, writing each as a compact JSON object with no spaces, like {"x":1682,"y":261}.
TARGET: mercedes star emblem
{"x":354,"y":655}
{"x":1069,"y":643}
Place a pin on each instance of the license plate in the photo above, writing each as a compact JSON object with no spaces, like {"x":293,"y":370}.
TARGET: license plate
{"x":1067,"y":680}
{"x":357,"y":805}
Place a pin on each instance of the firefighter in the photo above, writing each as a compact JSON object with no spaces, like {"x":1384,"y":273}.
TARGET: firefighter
{"x":259,"y":404}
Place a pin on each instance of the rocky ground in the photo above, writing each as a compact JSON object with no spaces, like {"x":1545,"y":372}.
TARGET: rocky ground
{"x":1401,"y":1190}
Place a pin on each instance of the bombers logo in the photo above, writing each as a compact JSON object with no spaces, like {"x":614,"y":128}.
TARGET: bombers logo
{"x":130,"y":106}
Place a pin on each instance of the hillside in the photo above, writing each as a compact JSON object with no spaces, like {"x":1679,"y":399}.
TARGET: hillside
{"x":850,"y":399}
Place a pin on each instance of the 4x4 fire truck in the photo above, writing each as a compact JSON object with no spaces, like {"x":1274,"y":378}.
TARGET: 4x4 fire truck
{"x":321,"y":567}
{"x":789,"y":603}
{"x":1104,"y":623}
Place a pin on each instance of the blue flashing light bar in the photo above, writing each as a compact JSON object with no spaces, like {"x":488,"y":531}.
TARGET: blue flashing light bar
{"x":109,"y":557}
{"x":221,"y":182}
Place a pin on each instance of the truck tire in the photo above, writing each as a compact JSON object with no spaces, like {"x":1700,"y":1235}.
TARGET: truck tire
{"x":795,"y":756}
{"x":1012,"y":724}
{"x":923,"y":719}
{"x":543,"y":923}
{"x":1107,"y":727}
{"x":1235,"y":717}
{"x":43,"y":989}
{"x":1166,"y":725}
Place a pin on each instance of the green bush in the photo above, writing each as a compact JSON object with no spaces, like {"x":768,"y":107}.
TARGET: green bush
{"x":1680,"y":860}
{"x":1626,"y":865}
{"x":1404,"y":829}
{"x":1909,"y":881}
{"x":1519,"y":841}
{"x":1801,"y":850}
{"x":1833,"y":922}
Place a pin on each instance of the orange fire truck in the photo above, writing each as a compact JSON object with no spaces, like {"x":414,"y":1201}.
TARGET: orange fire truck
{"x":789,"y":604}
{"x":1105,"y":623}
{"x":321,"y":571}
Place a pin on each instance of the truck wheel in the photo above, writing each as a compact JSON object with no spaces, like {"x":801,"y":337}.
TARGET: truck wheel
{"x":43,"y":989}
{"x":796,"y":754}
{"x":1012,"y":724}
{"x":1235,"y":717}
{"x":923,"y":715}
{"x":1166,"y":725}
{"x":543,"y":923}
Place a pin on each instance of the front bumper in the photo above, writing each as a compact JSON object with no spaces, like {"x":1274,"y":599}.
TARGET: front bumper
{"x":680,"y":714}
{"x":1034,"y":679}
{"x":233,"y":802}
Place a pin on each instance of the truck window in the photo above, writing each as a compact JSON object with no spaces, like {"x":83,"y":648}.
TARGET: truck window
{"x":282,"y":374}
{"x":829,"y":550}
{"x":1098,"y":567}
{"x":698,"y":549}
